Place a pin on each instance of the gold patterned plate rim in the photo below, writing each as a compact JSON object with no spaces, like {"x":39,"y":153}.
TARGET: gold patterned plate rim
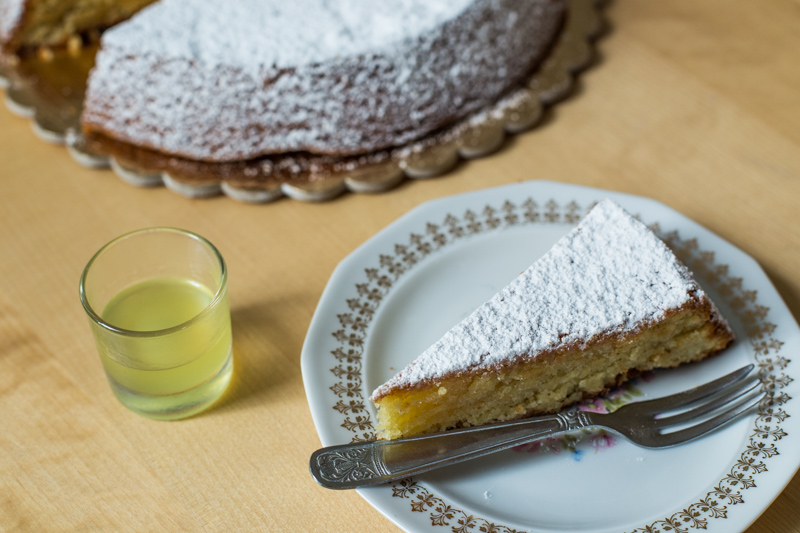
{"x":474,"y":137}
{"x":720,"y":483}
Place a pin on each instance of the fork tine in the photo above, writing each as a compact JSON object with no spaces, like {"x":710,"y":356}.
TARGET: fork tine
{"x":724,"y":397}
{"x":687,"y":397}
{"x":666,"y":440}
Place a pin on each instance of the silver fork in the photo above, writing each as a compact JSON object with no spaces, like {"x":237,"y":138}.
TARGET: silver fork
{"x":657,"y":423}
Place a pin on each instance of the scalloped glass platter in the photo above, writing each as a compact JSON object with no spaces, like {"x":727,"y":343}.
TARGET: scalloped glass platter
{"x":401,"y":290}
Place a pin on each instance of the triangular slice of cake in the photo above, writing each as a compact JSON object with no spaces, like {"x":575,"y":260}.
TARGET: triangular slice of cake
{"x":607,"y":302}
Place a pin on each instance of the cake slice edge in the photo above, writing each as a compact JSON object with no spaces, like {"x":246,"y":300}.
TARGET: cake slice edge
{"x":549,"y":379}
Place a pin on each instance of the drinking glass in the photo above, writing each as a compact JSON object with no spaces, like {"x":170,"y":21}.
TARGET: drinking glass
{"x":157,"y":302}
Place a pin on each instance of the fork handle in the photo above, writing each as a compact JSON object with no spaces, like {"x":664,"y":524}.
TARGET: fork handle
{"x":361,"y":464}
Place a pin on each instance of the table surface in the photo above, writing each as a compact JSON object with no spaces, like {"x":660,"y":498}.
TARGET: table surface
{"x":694,"y":104}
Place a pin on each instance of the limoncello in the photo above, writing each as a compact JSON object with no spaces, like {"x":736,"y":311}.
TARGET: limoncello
{"x":172,"y":353}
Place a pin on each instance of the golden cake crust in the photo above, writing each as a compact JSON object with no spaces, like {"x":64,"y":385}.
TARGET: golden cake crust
{"x":717,"y":331}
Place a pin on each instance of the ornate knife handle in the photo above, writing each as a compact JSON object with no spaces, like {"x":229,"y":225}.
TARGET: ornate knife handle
{"x":361,"y":464}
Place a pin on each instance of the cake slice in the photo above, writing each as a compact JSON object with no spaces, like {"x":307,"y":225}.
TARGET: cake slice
{"x":607,"y":302}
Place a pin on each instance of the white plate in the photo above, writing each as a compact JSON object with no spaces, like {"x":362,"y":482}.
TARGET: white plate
{"x":401,"y":290}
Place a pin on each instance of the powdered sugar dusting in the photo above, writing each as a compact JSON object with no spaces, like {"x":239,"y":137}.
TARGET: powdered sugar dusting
{"x":229,"y":81}
{"x":609,"y":274}
{"x":10,"y":13}
{"x":253,"y":34}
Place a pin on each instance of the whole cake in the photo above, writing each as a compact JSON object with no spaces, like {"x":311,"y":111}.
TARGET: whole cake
{"x":228,"y":81}
{"x":34,"y":23}
{"x":607,"y":302}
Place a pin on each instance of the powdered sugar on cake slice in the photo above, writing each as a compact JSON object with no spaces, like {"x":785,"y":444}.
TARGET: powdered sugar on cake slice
{"x":609,"y":275}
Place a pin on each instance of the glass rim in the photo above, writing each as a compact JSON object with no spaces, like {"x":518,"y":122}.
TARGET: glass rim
{"x":97,"y":319}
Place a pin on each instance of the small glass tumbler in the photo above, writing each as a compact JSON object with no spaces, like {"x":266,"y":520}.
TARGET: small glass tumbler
{"x":157,"y":301}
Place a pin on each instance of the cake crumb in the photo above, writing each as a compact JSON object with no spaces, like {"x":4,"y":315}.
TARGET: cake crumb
{"x":45,"y":53}
{"x":74,"y":44}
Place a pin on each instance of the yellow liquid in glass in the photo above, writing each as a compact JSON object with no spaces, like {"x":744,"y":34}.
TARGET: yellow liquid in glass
{"x":162,"y":374}
{"x":155,"y":304}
